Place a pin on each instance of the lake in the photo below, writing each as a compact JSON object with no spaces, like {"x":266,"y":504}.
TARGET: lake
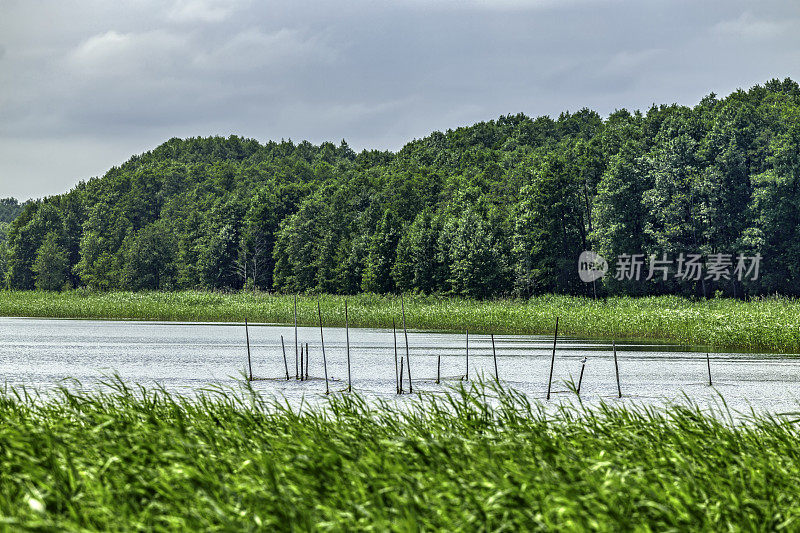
{"x":187,"y":357}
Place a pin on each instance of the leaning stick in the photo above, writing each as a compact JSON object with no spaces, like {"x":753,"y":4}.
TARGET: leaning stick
{"x":580,"y":379}
{"x":438,"y":369}
{"x":285,"y":364}
{"x":708,"y":361}
{"x":400,"y":390}
{"x":552,"y":361}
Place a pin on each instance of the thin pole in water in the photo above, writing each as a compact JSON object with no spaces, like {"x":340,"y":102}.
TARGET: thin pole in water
{"x":285,"y":364}
{"x":307,"y":353}
{"x":466,"y":376}
{"x":616,"y":367}
{"x":322,"y":341}
{"x":347,"y":335}
{"x":552,"y":360}
{"x":580,"y":379}
{"x":408,"y":360}
{"x":438,"y":369}
{"x":408,"y":370}
{"x":396,"y":374}
{"x":494,"y":355}
{"x":249,"y":363}
{"x":708,"y":361}
{"x":296,"y":349}
{"x":302,"y":373}
{"x":400,"y":388}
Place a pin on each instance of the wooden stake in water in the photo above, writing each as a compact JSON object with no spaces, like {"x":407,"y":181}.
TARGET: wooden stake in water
{"x":708,"y":361}
{"x":580,"y":379}
{"x":302,"y":373}
{"x":438,"y":369}
{"x":616,"y":368}
{"x":396,"y":373}
{"x":552,"y":360}
{"x":296,"y":349}
{"x":249,"y":363}
{"x":494,"y":354}
{"x":307,"y":352}
{"x":347,"y":336}
{"x":285,"y":364}
{"x":466,"y":376}
{"x":322,"y":341}
{"x":400,"y":386}
{"x":408,"y":360}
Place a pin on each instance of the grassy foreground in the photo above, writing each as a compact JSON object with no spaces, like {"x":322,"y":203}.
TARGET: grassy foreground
{"x":768,"y":325}
{"x":126,"y":460}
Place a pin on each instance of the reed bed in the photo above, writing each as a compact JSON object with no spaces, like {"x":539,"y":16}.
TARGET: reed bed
{"x":481,"y":458}
{"x":765,"y":324}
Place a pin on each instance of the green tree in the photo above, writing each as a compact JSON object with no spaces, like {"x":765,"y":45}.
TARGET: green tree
{"x":621,"y":214}
{"x":380,"y":256}
{"x":550,"y":230}
{"x":727,"y":178}
{"x":25,"y":237}
{"x":149,"y":256}
{"x":51,"y":264}
{"x":105,"y":229}
{"x":477,"y":267}
{"x":418,"y":265}
{"x":10,"y":208}
{"x":218,"y":260}
{"x":677,"y":201}
{"x":776,"y":232}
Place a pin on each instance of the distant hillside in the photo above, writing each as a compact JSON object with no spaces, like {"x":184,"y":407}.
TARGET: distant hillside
{"x":498,"y":208}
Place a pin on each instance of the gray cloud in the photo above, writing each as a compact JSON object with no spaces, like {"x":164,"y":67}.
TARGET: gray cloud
{"x":85,"y":84}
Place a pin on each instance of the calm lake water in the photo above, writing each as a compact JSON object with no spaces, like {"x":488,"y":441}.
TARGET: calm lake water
{"x":42,"y":353}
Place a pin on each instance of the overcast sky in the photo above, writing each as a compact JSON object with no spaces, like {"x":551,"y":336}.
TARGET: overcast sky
{"x":85,"y":85}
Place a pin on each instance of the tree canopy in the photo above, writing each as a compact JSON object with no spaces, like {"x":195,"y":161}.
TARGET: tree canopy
{"x":500,"y":208}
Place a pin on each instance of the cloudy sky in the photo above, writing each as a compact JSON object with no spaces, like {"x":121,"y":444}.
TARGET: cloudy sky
{"x":86,"y":84}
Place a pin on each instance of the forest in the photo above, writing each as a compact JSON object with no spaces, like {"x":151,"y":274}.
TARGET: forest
{"x":501,"y":208}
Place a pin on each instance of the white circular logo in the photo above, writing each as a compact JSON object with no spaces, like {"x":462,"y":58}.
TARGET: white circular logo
{"x":591,"y":266}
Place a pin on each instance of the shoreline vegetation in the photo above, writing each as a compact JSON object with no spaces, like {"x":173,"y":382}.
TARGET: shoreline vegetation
{"x":479,"y":458}
{"x":769,"y":325}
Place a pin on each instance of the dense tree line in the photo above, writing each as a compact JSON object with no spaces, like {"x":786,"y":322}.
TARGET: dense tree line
{"x":500,"y":208}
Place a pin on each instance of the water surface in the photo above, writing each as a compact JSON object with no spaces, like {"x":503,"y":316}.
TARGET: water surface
{"x":187,"y":357}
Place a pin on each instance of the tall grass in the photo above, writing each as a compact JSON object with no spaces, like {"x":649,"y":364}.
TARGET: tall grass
{"x":478,"y":458}
{"x":768,"y":324}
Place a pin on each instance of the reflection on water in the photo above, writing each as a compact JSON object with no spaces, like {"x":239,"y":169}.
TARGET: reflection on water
{"x":40,"y":353}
